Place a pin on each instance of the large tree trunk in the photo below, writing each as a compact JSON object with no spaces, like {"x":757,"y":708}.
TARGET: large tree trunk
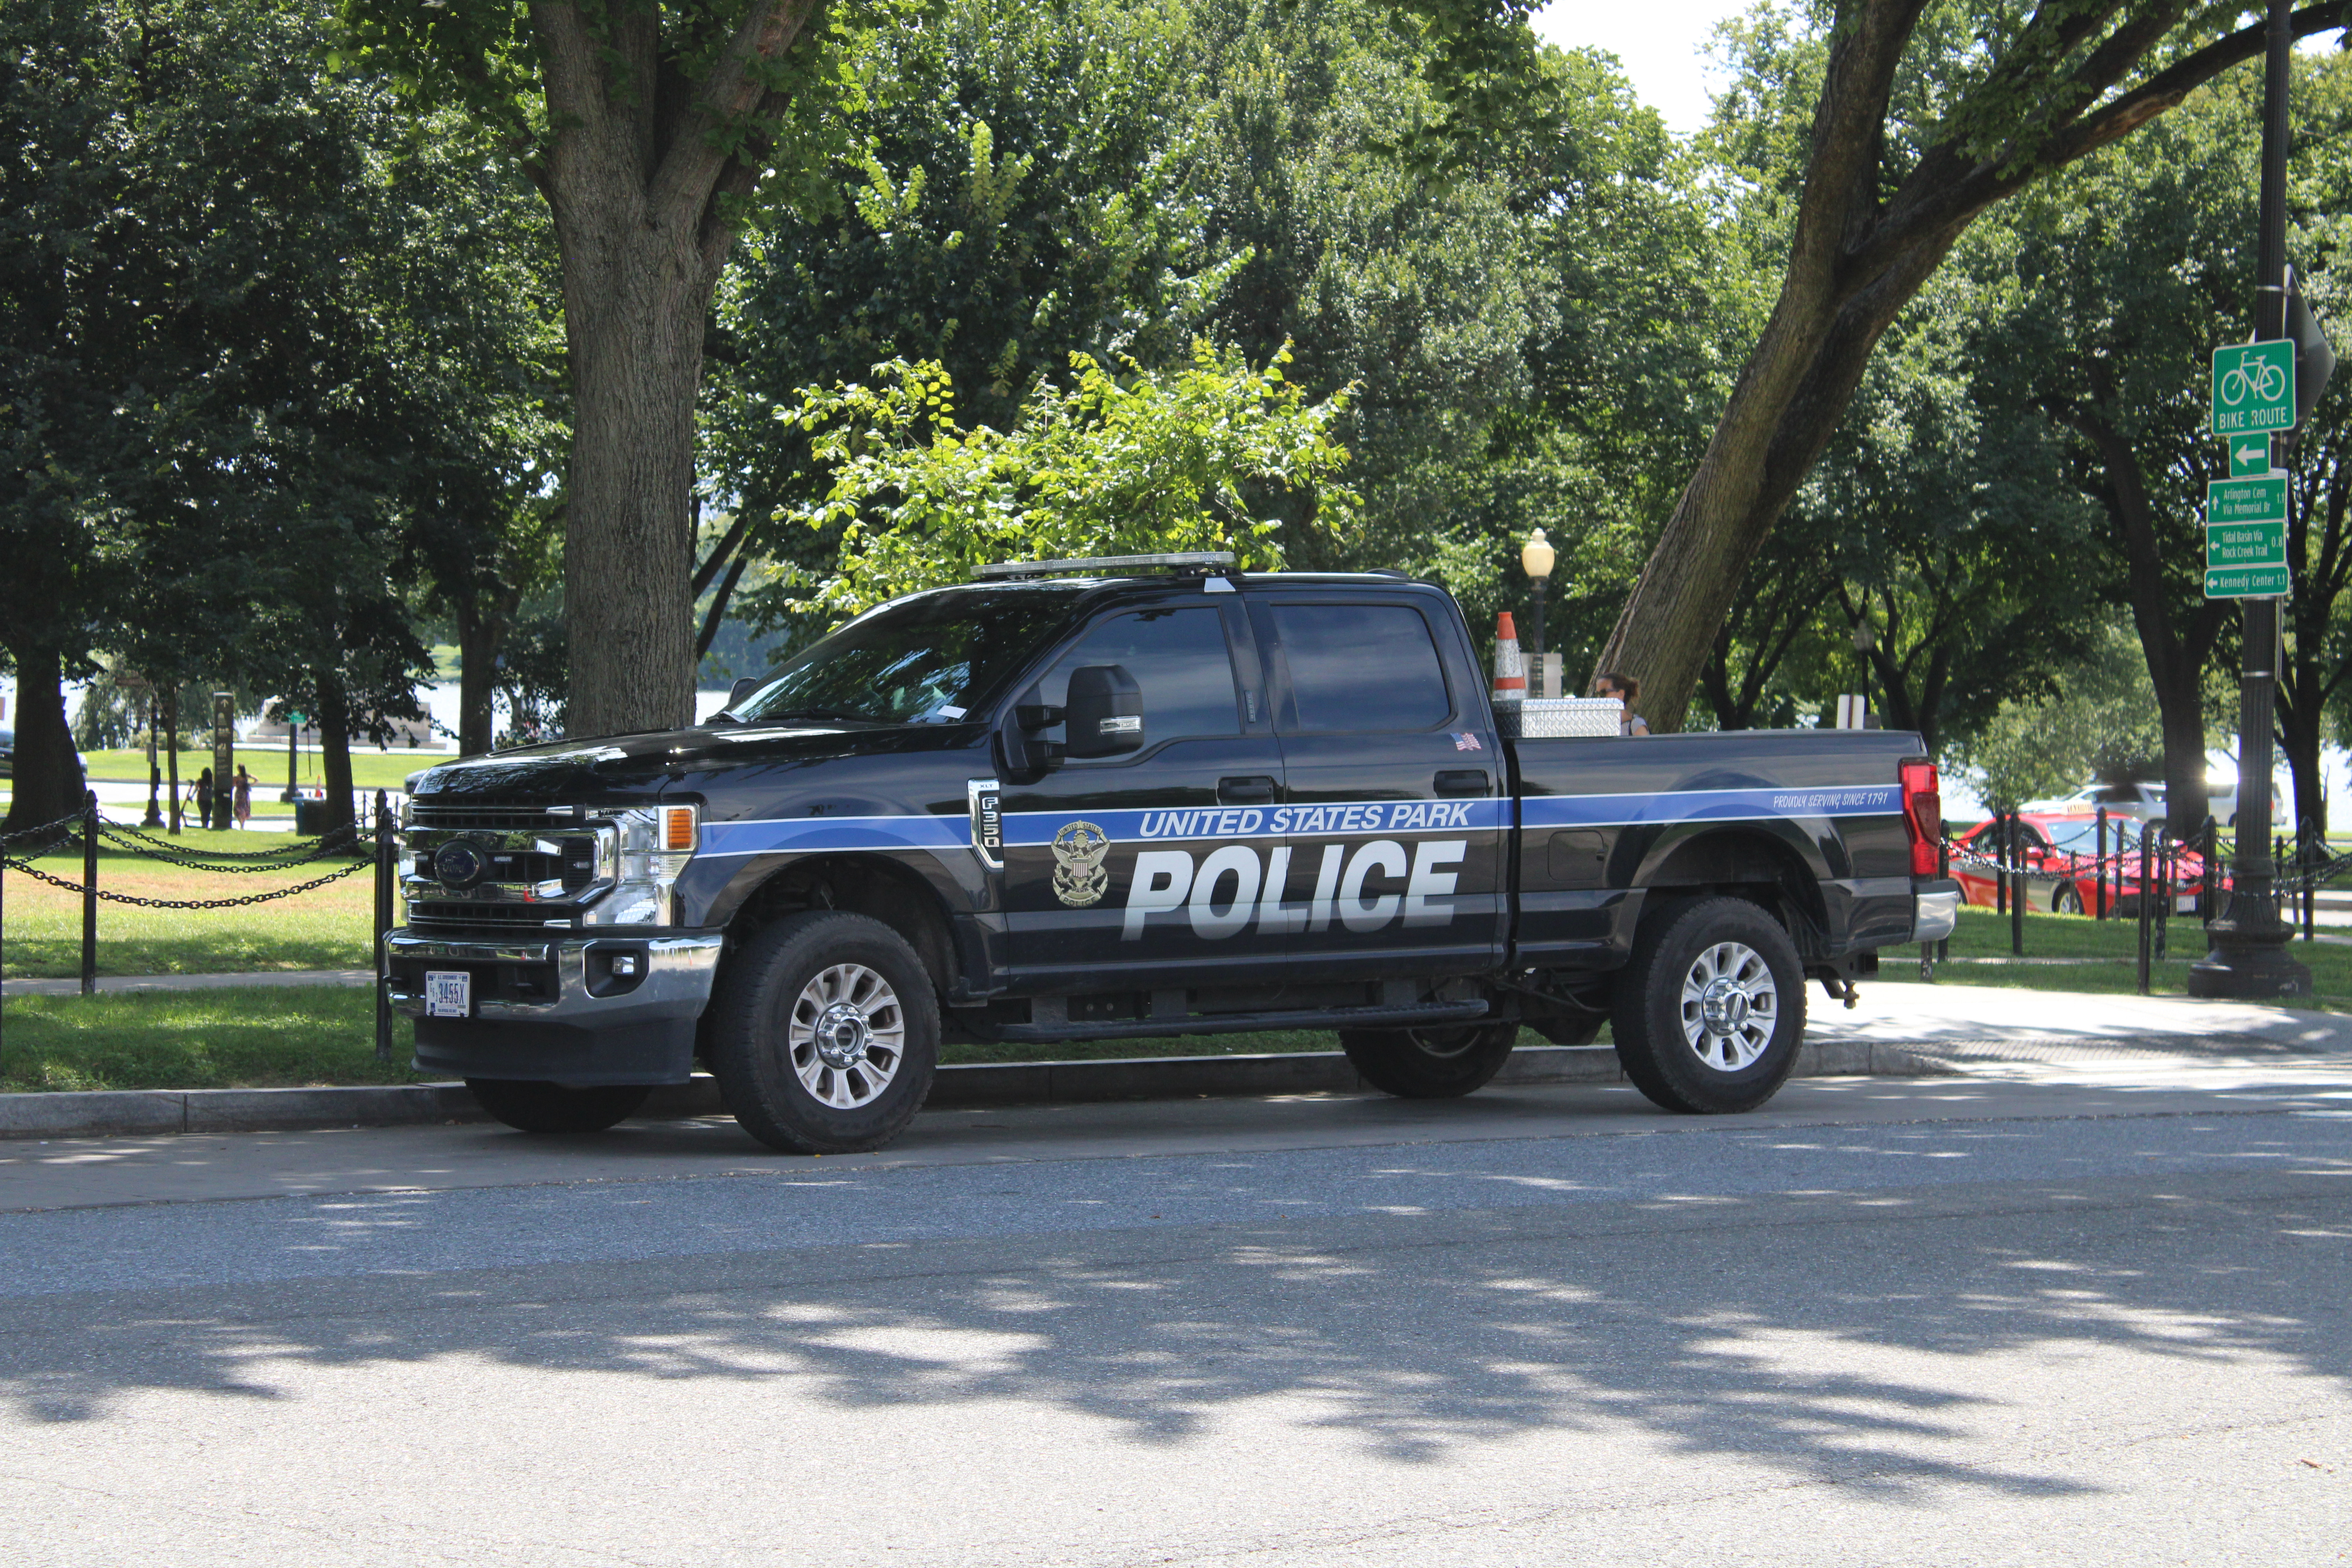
{"x":46,"y":778}
{"x":480,"y":633}
{"x":640,"y":164}
{"x":335,"y":751}
{"x":2299,"y":737}
{"x":1858,"y":254}
{"x":2176,"y":655}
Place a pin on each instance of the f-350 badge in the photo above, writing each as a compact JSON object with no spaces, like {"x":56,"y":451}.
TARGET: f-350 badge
{"x":1080,"y":877}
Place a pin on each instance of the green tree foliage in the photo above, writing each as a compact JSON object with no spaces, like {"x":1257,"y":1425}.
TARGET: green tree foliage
{"x":1109,"y":465}
{"x":279,"y":343}
{"x":1927,"y":116}
{"x":1535,"y":336}
{"x":2100,"y":721}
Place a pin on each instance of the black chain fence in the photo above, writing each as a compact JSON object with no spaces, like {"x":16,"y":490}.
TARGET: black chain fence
{"x":89,"y":828}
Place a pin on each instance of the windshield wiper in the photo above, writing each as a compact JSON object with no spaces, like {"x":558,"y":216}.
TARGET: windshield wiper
{"x":821,"y":713}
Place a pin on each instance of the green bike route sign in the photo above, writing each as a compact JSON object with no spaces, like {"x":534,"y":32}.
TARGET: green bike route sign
{"x":2253,"y":388}
{"x":2245,"y":537}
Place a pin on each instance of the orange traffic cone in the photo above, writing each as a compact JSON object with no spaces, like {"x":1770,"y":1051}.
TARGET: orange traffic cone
{"x":1510,"y":669}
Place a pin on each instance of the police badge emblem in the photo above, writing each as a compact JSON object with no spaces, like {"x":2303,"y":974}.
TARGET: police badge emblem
{"x":1080,"y":876}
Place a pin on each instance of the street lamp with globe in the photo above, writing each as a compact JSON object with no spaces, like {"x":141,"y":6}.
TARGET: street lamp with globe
{"x":1866,"y":643}
{"x":1537,"y":559}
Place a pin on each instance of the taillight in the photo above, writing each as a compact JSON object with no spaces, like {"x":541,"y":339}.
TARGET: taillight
{"x":1923,"y":815}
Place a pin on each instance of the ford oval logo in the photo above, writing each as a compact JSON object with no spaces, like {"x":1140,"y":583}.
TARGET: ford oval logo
{"x":459,"y":866}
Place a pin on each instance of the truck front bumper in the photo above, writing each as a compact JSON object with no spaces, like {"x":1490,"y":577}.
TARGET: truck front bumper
{"x":611,"y":1008}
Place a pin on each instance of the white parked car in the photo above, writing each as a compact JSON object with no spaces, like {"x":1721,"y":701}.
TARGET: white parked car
{"x":2143,"y":801}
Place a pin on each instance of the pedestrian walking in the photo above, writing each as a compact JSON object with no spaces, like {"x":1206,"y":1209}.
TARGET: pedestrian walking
{"x":244,"y":797}
{"x":1625,"y":690}
{"x":203,"y":796}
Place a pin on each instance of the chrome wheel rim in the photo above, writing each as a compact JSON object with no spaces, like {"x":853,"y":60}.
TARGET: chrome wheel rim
{"x":848,"y":1034}
{"x":1731,"y":1006}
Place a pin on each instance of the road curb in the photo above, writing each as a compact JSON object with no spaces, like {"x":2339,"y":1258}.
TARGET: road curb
{"x":150,"y":1112}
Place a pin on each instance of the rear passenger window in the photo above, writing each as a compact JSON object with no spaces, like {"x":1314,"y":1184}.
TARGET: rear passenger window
{"x":1362,"y":668}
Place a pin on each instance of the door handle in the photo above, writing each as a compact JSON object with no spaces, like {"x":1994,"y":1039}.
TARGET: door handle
{"x":1462,"y":781}
{"x":1252,"y":790}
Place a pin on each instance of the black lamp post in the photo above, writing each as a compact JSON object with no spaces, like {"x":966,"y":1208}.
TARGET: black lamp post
{"x":1866,"y":643}
{"x":154,"y":817}
{"x":2249,"y":956}
{"x":1537,"y":559}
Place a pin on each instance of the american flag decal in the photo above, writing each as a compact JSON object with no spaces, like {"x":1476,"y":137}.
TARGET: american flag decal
{"x":1467,"y":741}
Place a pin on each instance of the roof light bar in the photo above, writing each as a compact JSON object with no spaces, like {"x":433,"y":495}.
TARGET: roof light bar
{"x":1203,"y":561}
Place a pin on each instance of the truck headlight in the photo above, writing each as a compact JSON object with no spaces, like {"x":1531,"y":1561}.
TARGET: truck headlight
{"x":651,"y":848}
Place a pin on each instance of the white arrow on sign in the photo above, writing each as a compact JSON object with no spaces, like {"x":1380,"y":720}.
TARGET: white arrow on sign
{"x":2252,"y":453}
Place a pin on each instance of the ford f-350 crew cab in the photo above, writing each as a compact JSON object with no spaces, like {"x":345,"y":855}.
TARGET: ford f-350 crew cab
{"x":1132,"y":800}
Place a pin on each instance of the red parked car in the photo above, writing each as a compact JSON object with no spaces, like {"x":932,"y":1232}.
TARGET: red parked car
{"x":2062,"y":865}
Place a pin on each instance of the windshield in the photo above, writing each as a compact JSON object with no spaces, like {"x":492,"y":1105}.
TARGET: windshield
{"x":933,"y":658}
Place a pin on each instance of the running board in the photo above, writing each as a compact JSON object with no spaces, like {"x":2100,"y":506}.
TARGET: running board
{"x":1248,"y":1023}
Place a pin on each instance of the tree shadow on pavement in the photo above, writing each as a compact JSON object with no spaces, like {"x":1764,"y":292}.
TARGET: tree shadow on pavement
{"x":1828,"y":1335}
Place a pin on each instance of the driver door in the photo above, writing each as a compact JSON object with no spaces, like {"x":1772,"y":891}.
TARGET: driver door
{"x":1146,"y":871}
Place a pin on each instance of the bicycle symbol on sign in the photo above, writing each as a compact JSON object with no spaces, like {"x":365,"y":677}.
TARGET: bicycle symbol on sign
{"x":2255,"y":376}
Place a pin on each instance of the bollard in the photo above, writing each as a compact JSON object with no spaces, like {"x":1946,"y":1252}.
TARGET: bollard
{"x":2099,"y":865}
{"x":88,"y":893}
{"x":383,"y":863}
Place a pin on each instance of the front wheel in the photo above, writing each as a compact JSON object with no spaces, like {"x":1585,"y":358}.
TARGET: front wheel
{"x":2067,"y":899}
{"x":529,"y":1107}
{"x":825,"y":1034}
{"x":1430,"y":1064}
{"x":1709,"y":1013}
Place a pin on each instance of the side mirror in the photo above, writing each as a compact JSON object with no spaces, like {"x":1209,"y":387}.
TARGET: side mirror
{"x":1104,"y":711}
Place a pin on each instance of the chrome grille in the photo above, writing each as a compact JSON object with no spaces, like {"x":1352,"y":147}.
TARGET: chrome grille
{"x":458,"y":815}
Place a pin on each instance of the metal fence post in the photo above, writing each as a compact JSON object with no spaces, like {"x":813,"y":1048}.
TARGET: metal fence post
{"x":3,"y":951}
{"x":1944,"y":869}
{"x":2099,"y":866}
{"x":2017,"y":893}
{"x":88,"y":893}
{"x":2001,"y":863}
{"x":383,"y":927}
{"x":2146,"y":915}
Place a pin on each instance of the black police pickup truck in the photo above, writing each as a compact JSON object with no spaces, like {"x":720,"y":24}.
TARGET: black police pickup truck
{"x":1083,"y":799}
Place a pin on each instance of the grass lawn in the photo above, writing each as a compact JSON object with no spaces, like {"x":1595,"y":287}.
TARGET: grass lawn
{"x":371,"y":769}
{"x":328,"y":928}
{"x":255,"y":1038}
{"x":2102,"y":957}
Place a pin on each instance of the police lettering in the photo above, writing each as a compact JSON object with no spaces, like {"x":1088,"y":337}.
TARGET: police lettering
{"x":1231,"y":889}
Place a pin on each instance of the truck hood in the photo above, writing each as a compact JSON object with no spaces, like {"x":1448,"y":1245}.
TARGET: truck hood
{"x":611,"y":768}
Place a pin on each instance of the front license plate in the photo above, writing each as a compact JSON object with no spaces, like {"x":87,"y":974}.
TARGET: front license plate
{"x":448,"y":993}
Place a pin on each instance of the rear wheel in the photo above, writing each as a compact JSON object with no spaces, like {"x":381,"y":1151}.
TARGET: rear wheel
{"x":825,"y":1033}
{"x":2067,"y":899}
{"x":1440,"y":1062}
{"x":530,"y":1106}
{"x":1709,"y":1013}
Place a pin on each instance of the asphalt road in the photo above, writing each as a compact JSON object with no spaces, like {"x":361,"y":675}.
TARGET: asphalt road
{"x":2091,"y":1319}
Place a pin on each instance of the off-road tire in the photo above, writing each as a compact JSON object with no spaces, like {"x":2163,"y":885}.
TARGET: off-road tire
{"x":532,"y":1107}
{"x":751,"y":1049}
{"x":1443,"y":1062}
{"x":1648,"y":1019}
